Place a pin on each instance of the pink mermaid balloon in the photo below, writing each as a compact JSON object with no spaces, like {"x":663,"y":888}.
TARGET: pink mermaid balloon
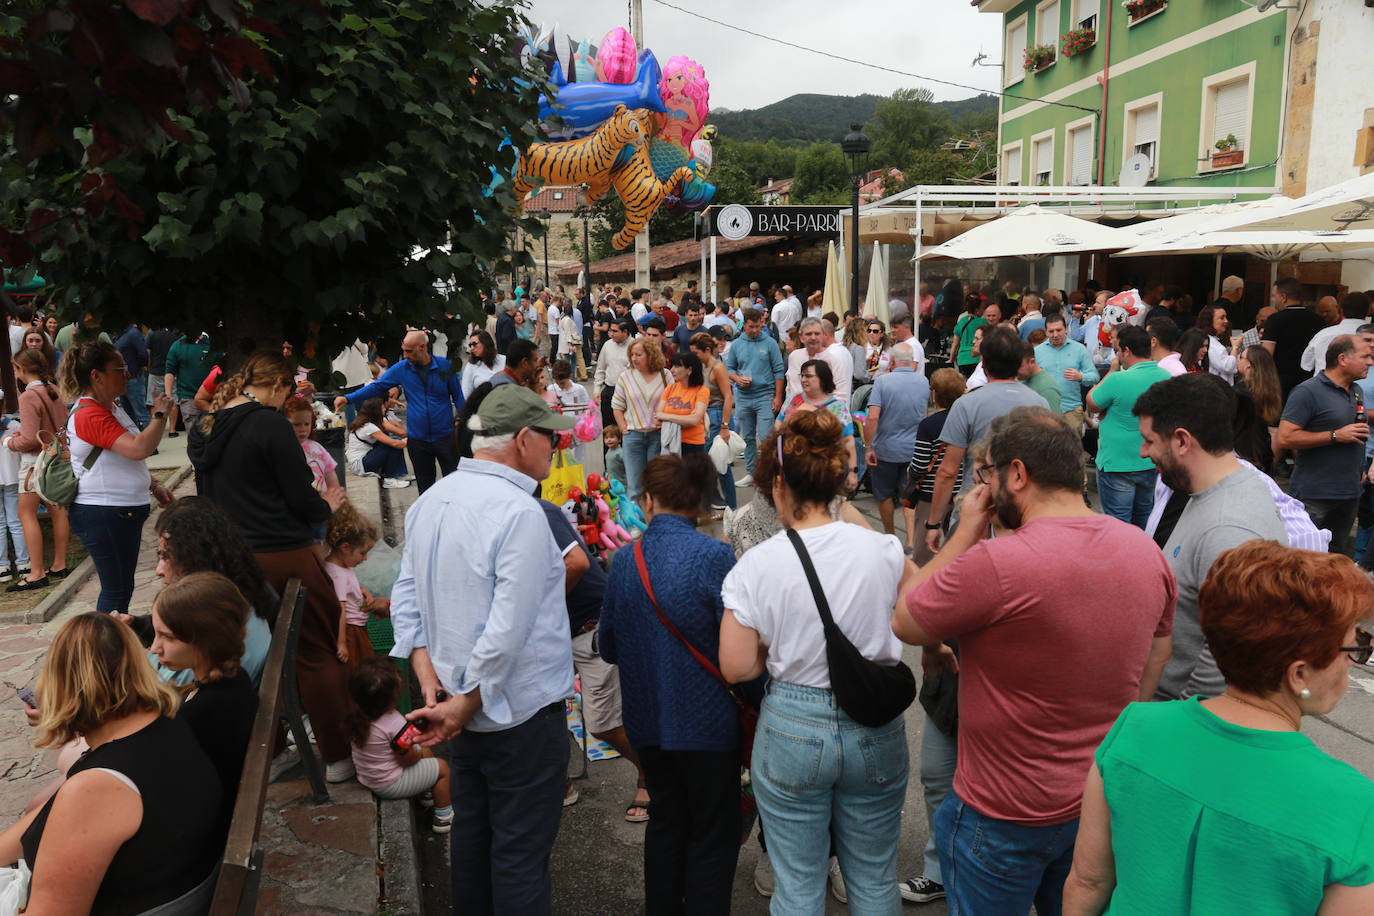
{"x":686,"y":94}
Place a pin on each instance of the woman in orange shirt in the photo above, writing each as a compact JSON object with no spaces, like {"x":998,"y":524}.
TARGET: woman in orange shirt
{"x":684,"y":401}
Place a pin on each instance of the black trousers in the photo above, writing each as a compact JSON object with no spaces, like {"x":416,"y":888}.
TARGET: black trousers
{"x":423,"y":455}
{"x":507,"y":803}
{"x":692,"y":839}
{"x":1336,"y":516}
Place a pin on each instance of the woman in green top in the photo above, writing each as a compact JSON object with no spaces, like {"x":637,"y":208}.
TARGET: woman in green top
{"x":961,"y":338}
{"x":1223,"y":805}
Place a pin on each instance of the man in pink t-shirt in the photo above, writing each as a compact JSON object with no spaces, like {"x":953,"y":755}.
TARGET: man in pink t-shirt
{"x":1045,"y":665}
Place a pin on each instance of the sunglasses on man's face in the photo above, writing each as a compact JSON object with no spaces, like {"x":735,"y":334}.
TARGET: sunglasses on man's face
{"x":1363,"y":650}
{"x":875,"y":330}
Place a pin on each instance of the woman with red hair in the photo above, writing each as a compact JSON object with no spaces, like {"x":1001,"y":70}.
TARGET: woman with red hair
{"x":1223,"y":805}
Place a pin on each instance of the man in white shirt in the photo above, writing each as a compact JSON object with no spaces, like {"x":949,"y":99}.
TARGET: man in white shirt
{"x":1355,"y":308}
{"x":901,"y":334}
{"x":812,"y":334}
{"x":1163,"y":340}
{"x":613,"y":359}
{"x":836,"y":353}
{"x":640,"y":308}
{"x":787,"y":311}
{"x":554,"y":314}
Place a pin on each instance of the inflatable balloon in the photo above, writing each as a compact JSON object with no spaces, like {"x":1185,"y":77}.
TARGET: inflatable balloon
{"x":583,"y":69}
{"x":1124,"y":308}
{"x":588,"y":428}
{"x":686,"y":95}
{"x":617,"y":58}
{"x":584,"y":106}
{"x":580,"y":161}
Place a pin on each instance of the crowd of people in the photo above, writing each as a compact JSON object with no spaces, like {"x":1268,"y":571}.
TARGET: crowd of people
{"x":1068,"y":760}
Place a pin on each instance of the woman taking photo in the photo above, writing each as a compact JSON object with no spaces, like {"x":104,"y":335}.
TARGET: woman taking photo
{"x":252,"y":467}
{"x":817,"y":773}
{"x":680,"y":720}
{"x":720,"y":405}
{"x":961,"y":338}
{"x":1236,"y":768}
{"x":112,"y":485}
{"x":818,"y":394}
{"x":157,"y":834}
{"x":483,"y":362}
{"x":41,"y":418}
{"x":635,"y":405}
{"x":1221,"y":351}
{"x":684,"y":402}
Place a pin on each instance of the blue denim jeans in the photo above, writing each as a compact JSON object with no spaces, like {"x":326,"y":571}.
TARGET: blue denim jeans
{"x":996,"y":866}
{"x":727,"y":480}
{"x":135,"y":399}
{"x":387,"y":461}
{"x":820,"y":776}
{"x":112,"y":536}
{"x":1127,"y":495}
{"x":11,"y":521}
{"x":638,"y":447}
{"x":939,"y":756}
{"x":755,"y":422}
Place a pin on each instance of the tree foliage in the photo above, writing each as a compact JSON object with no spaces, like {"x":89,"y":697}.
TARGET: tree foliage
{"x":822,"y":176}
{"x":324,"y":210}
{"x":903,"y":122}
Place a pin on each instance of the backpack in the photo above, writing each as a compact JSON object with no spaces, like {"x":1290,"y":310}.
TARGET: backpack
{"x":55,"y":480}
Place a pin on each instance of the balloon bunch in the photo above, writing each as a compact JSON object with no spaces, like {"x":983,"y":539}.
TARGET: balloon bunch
{"x":591,"y":515}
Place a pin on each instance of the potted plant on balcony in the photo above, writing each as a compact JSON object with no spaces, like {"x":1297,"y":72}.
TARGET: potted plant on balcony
{"x":1039,"y":57}
{"x":1077,"y":41}
{"x":1227,"y":154}
{"x":1139,"y":9}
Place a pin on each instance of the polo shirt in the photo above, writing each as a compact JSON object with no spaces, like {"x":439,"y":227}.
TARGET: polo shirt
{"x":1328,"y":471}
{"x":1119,"y":438}
{"x":1043,"y":384}
{"x":903,"y":395}
{"x":1056,"y":360}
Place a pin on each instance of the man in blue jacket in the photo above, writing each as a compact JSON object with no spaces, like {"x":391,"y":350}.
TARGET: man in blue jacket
{"x":433,"y":397}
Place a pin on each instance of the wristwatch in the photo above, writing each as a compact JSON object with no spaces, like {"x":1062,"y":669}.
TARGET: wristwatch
{"x":158,"y":414}
{"x":1333,"y":435}
{"x":931,"y":526}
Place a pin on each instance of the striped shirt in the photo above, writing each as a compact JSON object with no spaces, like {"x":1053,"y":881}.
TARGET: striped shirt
{"x":923,"y":466}
{"x":638,"y":397}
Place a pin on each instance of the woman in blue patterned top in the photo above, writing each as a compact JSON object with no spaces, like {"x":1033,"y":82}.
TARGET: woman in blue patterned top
{"x":680,"y":720}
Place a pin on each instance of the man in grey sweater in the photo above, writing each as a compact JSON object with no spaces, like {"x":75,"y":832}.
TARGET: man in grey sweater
{"x":1186,"y":424}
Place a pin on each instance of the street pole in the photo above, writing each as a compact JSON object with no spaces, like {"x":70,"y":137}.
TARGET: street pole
{"x":586,"y":254}
{"x":642,"y":239}
{"x":855,"y":145}
{"x":547,"y":218}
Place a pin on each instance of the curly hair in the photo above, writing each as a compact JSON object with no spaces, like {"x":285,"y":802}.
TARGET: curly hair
{"x":814,"y":462}
{"x":653,"y":354}
{"x":207,"y":612}
{"x":298,"y":404}
{"x":348,"y":526}
{"x":267,"y":368}
{"x":199,"y":537}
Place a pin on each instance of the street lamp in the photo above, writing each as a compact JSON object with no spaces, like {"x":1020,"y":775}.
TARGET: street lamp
{"x":855,"y":145}
{"x":583,"y":205}
{"x":544,"y":216}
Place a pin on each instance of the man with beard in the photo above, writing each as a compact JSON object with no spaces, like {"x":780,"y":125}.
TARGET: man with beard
{"x":1186,"y":430}
{"x":1043,"y":672}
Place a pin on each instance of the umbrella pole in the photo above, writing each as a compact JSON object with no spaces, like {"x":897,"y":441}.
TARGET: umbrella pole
{"x":1273,"y":273}
{"x":713,"y":268}
{"x":1216,"y":284}
{"x":702,"y":281}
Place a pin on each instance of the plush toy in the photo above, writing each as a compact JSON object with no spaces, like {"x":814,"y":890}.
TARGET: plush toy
{"x":1124,"y":308}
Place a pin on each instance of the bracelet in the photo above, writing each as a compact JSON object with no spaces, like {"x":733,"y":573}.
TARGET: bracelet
{"x":159,"y":415}
{"x":1333,"y":435}
{"x":931,"y":526}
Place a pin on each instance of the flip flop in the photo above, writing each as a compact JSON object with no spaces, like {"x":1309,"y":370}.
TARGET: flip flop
{"x":636,"y":805}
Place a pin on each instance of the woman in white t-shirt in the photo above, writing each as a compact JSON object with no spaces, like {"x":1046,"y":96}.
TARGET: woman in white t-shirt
{"x":817,"y":772}
{"x":370,"y":451}
{"x":483,"y":362}
{"x":112,"y":488}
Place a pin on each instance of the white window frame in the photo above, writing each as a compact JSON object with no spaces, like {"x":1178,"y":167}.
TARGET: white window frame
{"x":1036,"y":166}
{"x":1003,"y":178}
{"x":1069,"y":129}
{"x":1053,"y":38}
{"x":1129,"y":111}
{"x":1208,"y":116}
{"x":1013,"y":65}
{"x":1082,"y":9}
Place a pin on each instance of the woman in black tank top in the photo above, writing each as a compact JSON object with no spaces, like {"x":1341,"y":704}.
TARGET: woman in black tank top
{"x":135,"y":824}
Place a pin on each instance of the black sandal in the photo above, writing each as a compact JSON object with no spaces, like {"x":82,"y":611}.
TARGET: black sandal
{"x":636,"y":804}
{"x":29,"y":585}
{"x":59,"y":573}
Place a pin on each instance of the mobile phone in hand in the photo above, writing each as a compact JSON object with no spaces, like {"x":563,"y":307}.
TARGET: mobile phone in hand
{"x":29,"y":697}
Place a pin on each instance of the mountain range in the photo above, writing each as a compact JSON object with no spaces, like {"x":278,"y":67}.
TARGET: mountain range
{"x":809,"y":117}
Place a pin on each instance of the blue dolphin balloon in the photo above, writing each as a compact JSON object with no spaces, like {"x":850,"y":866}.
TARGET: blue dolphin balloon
{"x":584,"y":106}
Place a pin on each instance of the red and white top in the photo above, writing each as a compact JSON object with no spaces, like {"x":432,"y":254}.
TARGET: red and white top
{"x":112,"y":480}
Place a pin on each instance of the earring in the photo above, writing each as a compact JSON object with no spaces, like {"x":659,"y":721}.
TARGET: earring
{"x":1305,"y":693}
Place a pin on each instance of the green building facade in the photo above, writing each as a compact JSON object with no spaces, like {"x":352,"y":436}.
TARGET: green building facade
{"x":1179,"y":75}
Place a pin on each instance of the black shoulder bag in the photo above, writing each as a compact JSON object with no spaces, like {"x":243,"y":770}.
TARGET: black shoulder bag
{"x":872,"y":694}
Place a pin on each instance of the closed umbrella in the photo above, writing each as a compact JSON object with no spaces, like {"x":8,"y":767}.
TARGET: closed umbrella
{"x":1341,"y":207}
{"x":836,"y":290}
{"x":876,"y":299}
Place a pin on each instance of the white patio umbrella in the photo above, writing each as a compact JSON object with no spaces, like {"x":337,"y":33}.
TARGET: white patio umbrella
{"x":1206,"y":219}
{"x":877,"y":298}
{"x":836,"y":289}
{"x":1031,"y":232}
{"x":1273,"y":246}
{"x":1345,"y":206}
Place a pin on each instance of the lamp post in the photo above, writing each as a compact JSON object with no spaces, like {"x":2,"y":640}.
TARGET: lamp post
{"x":545,"y":216}
{"x":855,"y":145}
{"x":586,"y":245}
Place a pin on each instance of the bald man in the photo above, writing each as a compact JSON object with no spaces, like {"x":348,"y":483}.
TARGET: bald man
{"x":433,"y":397}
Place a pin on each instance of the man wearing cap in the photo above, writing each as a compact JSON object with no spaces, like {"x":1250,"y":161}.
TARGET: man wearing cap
{"x":478,"y":608}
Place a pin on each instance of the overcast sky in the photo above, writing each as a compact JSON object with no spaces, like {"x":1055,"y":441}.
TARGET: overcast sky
{"x":937,"y":38}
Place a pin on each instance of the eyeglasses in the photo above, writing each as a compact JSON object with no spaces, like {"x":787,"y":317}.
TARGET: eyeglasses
{"x":981,"y":472}
{"x":875,"y":330}
{"x":1363,"y":650}
{"x":553,"y":436}
{"x":122,"y":370}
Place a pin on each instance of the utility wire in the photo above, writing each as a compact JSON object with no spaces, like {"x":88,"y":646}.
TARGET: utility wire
{"x":864,"y":63}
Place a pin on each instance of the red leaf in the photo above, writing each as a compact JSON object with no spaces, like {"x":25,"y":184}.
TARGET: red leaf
{"x":16,"y":78}
{"x":40,"y":219}
{"x":158,"y":12}
{"x":237,"y":52}
{"x":188,"y":38}
{"x":104,"y":146}
{"x":263,"y":27}
{"x":127,"y":208}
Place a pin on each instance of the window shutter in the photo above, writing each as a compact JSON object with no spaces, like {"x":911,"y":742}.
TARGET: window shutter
{"x":1146,"y":125}
{"x":1048,"y":26}
{"x":1229,"y":112}
{"x":1013,"y":172}
{"x":1081,"y":150}
{"x":1043,"y":159}
{"x":1085,"y":14}
{"x":1016,"y":52}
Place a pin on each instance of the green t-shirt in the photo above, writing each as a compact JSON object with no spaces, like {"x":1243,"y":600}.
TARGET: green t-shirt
{"x":1118,"y":443}
{"x":963,"y":329}
{"x":1210,"y":817}
{"x":1043,"y":384}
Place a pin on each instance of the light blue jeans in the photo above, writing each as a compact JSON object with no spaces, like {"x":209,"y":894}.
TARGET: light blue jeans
{"x":638,"y":447}
{"x":755,"y":422}
{"x":819,"y":775}
{"x":16,"y":529}
{"x":1127,"y":495}
{"x":939,"y":755}
{"x":727,"y":480}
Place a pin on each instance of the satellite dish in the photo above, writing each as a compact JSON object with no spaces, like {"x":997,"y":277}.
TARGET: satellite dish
{"x":1136,"y":172}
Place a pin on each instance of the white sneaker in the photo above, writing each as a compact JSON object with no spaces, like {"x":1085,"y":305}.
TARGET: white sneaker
{"x":746,"y":481}
{"x":339,"y":770}
{"x":837,"y":881}
{"x":763,"y":874}
{"x":395,"y":483}
{"x":443,"y":823}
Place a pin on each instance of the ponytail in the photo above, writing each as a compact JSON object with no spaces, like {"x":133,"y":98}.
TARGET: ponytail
{"x":79,"y":362}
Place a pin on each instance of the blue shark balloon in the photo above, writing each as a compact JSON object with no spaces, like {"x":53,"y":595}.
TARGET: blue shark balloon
{"x":585,"y":106}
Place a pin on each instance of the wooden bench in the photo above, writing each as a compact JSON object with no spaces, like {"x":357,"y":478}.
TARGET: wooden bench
{"x":240,"y":870}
